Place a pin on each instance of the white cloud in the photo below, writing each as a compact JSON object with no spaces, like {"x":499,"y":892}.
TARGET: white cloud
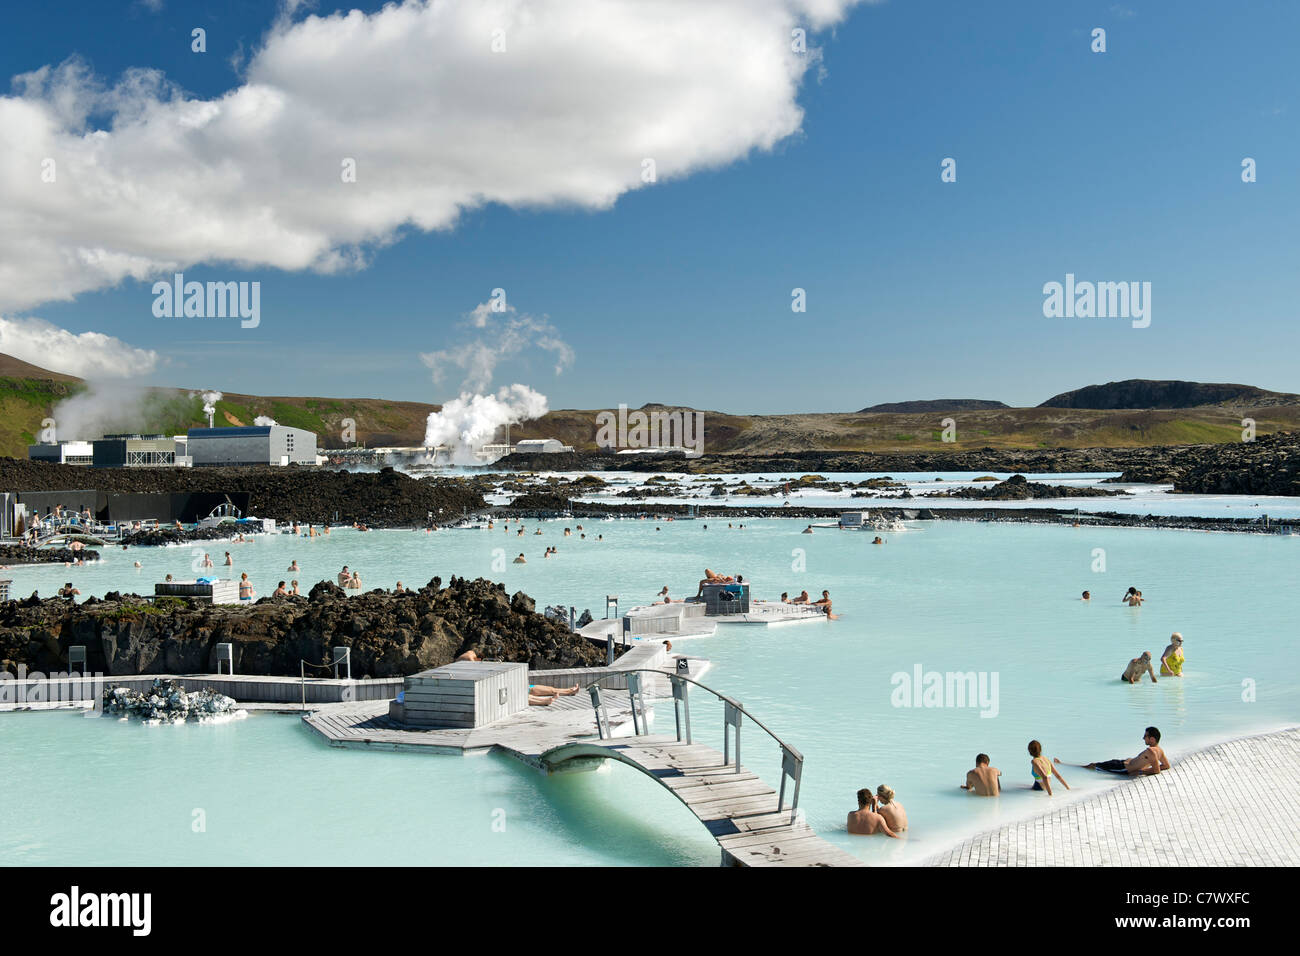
{"x":87,"y":355}
{"x":149,"y":180}
{"x":500,"y":335}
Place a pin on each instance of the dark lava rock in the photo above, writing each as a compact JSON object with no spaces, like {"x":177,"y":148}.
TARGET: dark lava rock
{"x":11,"y":554}
{"x":1020,"y":488}
{"x":305,"y":494}
{"x":1269,"y":465}
{"x":389,"y":634}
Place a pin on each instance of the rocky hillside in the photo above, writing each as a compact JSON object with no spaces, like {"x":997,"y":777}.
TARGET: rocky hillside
{"x":1145,"y":393}
{"x":934,"y":405}
{"x":389,"y":634}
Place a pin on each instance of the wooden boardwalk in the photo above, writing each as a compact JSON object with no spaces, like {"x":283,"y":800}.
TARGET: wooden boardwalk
{"x":737,"y":808}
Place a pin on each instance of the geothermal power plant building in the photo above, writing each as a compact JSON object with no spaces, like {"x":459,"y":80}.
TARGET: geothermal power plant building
{"x":254,"y":445}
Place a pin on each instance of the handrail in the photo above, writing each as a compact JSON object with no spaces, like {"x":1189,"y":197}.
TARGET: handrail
{"x":791,"y":759}
{"x":722,"y":697}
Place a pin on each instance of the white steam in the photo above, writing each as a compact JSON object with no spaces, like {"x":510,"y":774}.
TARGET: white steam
{"x":470,"y":421}
{"x":263,"y":420}
{"x":210,"y":399}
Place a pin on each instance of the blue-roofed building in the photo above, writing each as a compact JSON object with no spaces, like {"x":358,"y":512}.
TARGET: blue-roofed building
{"x":252,"y":445}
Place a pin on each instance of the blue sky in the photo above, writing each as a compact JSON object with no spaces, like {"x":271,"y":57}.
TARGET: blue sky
{"x":1115,"y":166}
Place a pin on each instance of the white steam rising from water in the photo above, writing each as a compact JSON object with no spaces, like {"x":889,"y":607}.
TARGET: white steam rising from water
{"x":470,"y":421}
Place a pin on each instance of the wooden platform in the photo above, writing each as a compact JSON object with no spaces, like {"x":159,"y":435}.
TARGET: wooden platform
{"x":737,"y":808}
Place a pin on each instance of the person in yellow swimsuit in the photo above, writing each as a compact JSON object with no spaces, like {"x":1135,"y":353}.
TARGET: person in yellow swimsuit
{"x":1171,"y":661}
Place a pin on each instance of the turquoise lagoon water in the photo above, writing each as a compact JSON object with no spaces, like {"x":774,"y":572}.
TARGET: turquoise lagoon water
{"x":948,"y":597}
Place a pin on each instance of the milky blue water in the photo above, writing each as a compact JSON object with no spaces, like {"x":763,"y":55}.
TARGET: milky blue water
{"x":948,"y":597}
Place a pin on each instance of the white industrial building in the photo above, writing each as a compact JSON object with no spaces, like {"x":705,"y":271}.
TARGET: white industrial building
{"x":536,"y":446}
{"x":63,"y":452}
{"x":252,"y":445}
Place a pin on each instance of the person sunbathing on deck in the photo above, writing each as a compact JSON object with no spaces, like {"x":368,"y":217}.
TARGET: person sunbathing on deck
{"x":711,"y":578}
{"x":867,"y":822}
{"x":541,"y":695}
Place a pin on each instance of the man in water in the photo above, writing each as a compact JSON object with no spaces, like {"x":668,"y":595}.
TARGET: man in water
{"x":1171,"y":661}
{"x":68,"y":591}
{"x":865,"y":821}
{"x":825,"y":605}
{"x":1152,"y":760}
{"x":983,"y":780}
{"x":280,"y":591}
{"x":345,"y":576}
{"x":1136,"y":667}
{"x":521,"y":559}
{"x":801,"y":599}
{"x":229,"y":562}
{"x":1087,"y":596}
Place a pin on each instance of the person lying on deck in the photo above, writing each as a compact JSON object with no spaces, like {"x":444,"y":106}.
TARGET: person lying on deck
{"x":541,"y":695}
{"x":711,"y":578}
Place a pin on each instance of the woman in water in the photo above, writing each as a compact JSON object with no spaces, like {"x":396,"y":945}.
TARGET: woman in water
{"x":245,"y":587}
{"x":1171,"y":661}
{"x":1043,"y":769}
{"x":890,"y":809}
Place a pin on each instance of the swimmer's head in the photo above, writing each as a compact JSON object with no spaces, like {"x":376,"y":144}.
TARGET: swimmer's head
{"x":885,"y":793}
{"x":1146,"y":656}
{"x":864,"y":797}
{"x":1087,"y":595}
{"x":981,"y":760}
{"x":1035,"y":748}
{"x":1176,"y":638}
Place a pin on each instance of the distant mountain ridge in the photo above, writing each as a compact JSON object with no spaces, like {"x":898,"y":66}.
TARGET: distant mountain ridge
{"x":932,"y":405}
{"x":1149,"y":393}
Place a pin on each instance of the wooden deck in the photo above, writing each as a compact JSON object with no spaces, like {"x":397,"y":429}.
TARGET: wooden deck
{"x":737,"y":808}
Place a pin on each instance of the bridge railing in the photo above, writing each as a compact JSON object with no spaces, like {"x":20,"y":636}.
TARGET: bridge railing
{"x":734,"y":716}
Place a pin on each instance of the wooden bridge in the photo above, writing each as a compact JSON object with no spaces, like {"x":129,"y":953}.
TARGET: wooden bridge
{"x":752,"y":822}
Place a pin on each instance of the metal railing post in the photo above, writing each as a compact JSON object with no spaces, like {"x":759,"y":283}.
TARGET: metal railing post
{"x":681,"y":707}
{"x":730,"y":718}
{"x":636,"y":700}
{"x":791,"y":766}
{"x":602,"y":719}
